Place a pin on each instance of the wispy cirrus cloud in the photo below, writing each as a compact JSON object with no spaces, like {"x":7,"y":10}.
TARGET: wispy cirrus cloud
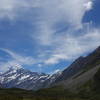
{"x":56,"y":29}
{"x":70,"y":47}
{"x":21,"y":59}
{"x":16,"y":60}
{"x":67,"y":13}
{"x":69,"y":44}
{"x":11,"y":8}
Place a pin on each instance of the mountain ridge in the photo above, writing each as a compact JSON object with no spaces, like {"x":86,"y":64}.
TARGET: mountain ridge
{"x":25,"y":79}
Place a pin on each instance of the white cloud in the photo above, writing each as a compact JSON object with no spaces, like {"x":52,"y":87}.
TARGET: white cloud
{"x":55,"y":59}
{"x":88,"y":5}
{"x":17,"y":60}
{"x":70,"y":47}
{"x":4,"y":66}
{"x":20,"y":59}
{"x":65,"y":46}
{"x":70,"y":12}
{"x":50,"y":13}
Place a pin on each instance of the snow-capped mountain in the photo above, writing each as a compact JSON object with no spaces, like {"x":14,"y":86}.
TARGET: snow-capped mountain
{"x":25,"y":79}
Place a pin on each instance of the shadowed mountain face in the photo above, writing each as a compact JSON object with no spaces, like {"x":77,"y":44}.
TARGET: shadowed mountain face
{"x":81,"y":64}
{"x":75,"y":67}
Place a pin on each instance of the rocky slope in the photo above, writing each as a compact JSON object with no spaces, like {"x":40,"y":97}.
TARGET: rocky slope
{"x":80,"y":65}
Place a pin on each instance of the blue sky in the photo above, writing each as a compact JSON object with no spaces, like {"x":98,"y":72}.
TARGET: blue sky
{"x":47,"y":35}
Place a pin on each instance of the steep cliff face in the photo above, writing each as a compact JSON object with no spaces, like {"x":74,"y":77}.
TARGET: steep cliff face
{"x":74,"y":68}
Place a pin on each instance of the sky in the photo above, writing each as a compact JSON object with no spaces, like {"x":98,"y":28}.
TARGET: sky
{"x":47,"y":35}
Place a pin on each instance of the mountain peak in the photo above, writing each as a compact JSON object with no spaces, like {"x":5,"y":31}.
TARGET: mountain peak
{"x":16,"y":67}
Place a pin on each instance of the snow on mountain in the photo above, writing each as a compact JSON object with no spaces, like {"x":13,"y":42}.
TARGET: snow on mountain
{"x":25,"y":79}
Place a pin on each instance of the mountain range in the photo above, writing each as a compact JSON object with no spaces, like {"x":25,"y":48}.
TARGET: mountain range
{"x":79,"y":81}
{"x":25,"y":79}
{"x":77,"y":74}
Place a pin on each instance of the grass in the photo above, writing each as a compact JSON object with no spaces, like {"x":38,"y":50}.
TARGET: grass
{"x":54,"y":93}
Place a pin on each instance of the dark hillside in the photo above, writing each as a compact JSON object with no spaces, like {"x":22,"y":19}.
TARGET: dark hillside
{"x":82,"y":64}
